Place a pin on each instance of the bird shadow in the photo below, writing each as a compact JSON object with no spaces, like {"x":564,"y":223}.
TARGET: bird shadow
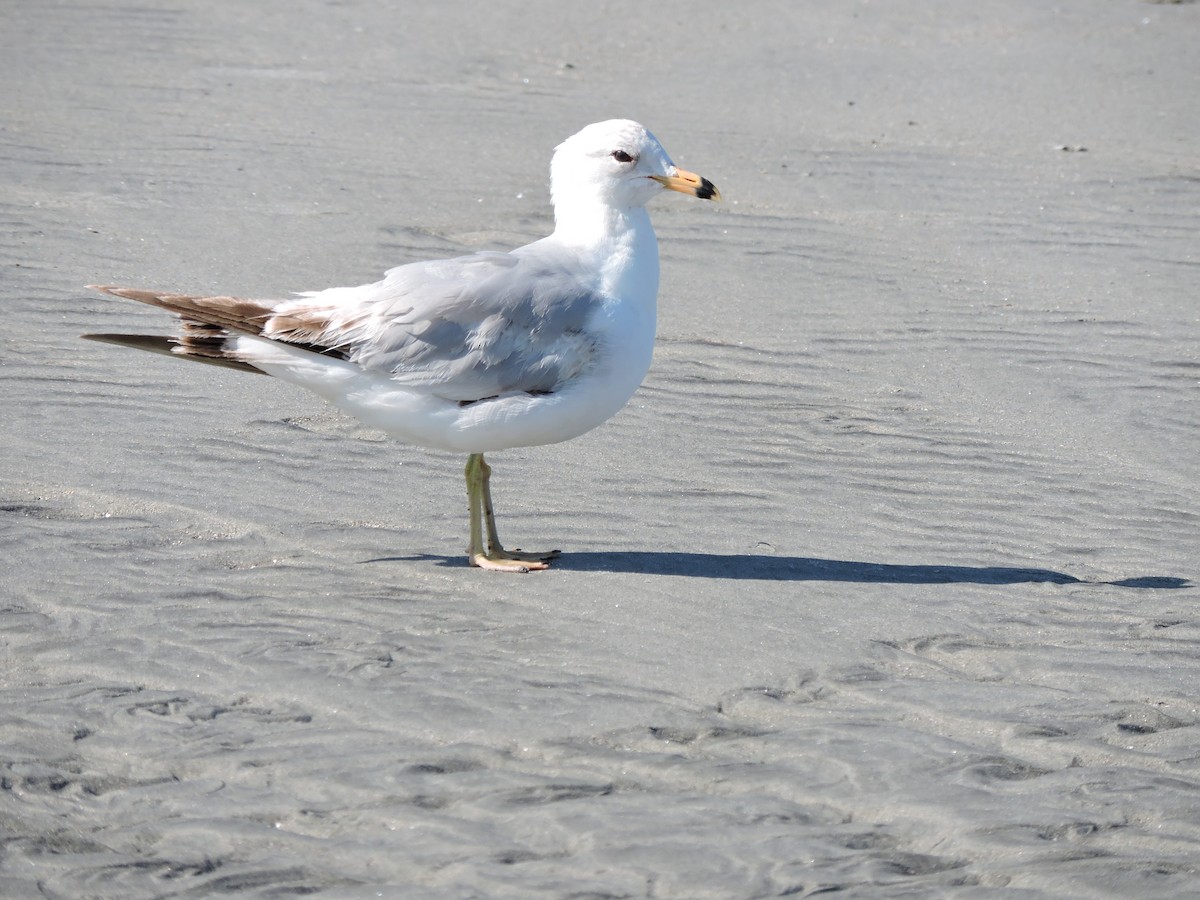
{"x":760,"y":567}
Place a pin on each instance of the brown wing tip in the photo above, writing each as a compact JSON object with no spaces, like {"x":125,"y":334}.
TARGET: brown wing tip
{"x":127,"y":293}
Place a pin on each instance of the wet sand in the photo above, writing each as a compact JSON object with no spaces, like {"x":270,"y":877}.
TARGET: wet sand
{"x":885,"y":582}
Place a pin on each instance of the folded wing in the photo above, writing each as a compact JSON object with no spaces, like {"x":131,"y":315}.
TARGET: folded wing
{"x":463,"y":329}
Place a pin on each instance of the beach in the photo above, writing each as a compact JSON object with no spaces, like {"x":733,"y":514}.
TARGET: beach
{"x":884,"y":583}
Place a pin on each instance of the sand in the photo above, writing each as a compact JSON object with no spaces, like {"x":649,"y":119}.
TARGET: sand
{"x":884,"y":583}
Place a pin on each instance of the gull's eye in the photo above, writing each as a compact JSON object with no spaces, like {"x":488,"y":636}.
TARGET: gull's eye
{"x":621,"y":156}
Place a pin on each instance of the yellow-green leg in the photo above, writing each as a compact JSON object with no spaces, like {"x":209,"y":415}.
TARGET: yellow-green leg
{"x":479,"y":500}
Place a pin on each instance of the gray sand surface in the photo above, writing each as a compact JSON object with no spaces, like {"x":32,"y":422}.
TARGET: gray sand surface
{"x":884,"y":582}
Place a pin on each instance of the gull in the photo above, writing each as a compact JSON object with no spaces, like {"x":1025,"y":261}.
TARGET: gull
{"x":477,"y":353}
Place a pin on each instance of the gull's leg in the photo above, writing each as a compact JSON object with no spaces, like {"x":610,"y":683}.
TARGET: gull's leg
{"x":495,"y":548}
{"x":480,"y":506}
{"x":475,"y":543}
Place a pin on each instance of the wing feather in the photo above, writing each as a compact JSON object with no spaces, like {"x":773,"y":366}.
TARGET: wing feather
{"x":464,"y":329}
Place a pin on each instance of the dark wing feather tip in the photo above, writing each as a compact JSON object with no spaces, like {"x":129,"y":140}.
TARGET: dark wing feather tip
{"x":170,"y":347}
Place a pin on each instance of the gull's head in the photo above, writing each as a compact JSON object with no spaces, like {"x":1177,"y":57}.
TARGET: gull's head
{"x":618,"y":164}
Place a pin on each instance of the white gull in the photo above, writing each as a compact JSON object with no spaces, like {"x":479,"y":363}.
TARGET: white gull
{"x":481,"y":352}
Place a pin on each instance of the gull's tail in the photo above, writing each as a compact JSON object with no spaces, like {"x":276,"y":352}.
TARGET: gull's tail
{"x":206,"y":326}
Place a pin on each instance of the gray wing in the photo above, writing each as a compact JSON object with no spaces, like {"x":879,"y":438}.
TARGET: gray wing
{"x":464,"y":329}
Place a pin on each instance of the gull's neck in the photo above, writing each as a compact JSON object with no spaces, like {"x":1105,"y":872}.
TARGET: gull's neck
{"x":593,"y":225}
{"x":621,"y":244}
